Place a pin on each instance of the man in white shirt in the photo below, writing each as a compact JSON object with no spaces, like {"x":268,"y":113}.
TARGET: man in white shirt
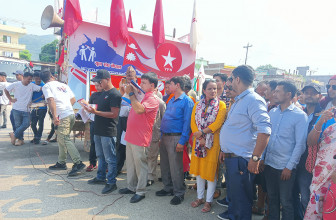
{"x":23,"y":92}
{"x":60,"y":100}
{"x":3,"y":100}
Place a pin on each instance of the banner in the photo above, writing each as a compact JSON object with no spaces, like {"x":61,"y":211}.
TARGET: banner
{"x":90,"y":50}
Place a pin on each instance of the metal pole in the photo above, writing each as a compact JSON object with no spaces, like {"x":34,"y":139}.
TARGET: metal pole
{"x":247,"y":47}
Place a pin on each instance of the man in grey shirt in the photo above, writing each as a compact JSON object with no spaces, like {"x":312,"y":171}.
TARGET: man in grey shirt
{"x":243,"y":137}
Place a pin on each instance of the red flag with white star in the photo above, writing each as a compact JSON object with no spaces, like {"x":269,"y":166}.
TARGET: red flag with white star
{"x":72,"y":16}
{"x":158,"y":25}
{"x":130,"y":22}
{"x":118,"y":26}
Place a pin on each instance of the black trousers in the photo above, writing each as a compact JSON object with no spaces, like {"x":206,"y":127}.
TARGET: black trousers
{"x":92,"y":155}
{"x":121,"y":149}
{"x":37,"y":117}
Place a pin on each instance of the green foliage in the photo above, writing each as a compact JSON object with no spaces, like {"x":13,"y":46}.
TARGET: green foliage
{"x":144,"y":27}
{"x":25,"y":54}
{"x":48,"y":52}
{"x":265,"y":67}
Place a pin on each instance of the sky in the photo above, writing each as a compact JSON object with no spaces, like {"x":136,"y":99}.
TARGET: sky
{"x":285,"y":33}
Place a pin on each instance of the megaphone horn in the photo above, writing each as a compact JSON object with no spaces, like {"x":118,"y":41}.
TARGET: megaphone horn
{"x":50,"y":18}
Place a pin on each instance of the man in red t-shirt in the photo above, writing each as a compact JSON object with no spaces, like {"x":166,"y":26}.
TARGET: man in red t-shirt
{"x":139,"y":135}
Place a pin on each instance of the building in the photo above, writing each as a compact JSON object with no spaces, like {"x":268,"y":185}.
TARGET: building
{"x":303,"y":70}
{"x":213,"y":68}
{"x":9,"y":41}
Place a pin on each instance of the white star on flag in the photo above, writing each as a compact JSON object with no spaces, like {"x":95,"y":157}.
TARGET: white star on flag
{"x":169,"y":60}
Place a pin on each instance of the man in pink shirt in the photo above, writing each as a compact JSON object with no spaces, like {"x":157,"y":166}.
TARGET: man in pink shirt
{"x":139,"y":135}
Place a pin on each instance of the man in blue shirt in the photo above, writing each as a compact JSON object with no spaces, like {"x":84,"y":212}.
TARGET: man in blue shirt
{"x":38,"y":114}
{"x":243,"y":137}
{"x":284,"y":149}
{"x":175,"y":129}
{"x":312,"y":96}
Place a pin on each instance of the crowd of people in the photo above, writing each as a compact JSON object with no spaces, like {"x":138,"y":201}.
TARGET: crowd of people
{"x":272,"y":147}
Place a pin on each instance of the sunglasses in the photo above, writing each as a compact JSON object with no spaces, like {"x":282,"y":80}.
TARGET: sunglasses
{"x":332,"y":86}
{"x":227,"y":87}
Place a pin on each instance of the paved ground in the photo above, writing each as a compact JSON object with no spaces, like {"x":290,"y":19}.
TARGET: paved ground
{"x":29,"y":191}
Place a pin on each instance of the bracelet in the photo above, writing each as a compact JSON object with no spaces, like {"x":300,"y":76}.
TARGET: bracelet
{"x":130,"y":94}
{"x":202,"y":132}
{"x":316,"y":129}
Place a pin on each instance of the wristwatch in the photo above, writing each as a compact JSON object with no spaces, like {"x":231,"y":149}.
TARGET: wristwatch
{"x":255,"y":158}
{"x":131,"y":93}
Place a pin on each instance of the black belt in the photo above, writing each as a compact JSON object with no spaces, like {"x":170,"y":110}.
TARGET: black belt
{"x":230,"y":155}
{"x":171,"y":134}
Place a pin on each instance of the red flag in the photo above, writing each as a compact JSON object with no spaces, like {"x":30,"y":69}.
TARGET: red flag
{"x":118,"y":27}
{"x":72,"y":16}
{"x":129,"y":22}
{"x":61,"y":58}
{"x":131,"y":56}
{"x":158,"y":25}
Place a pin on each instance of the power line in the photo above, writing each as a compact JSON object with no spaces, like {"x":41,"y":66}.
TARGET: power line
{"x":23,"y":22}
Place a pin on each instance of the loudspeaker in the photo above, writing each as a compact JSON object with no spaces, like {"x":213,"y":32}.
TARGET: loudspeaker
{"x":50,"y":18}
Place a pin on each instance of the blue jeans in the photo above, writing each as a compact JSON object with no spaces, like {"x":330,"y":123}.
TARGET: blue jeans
{"x":22,"y":122}
{"x":106,"y":153}
{"x":11,"y":117}
{"x":240,"y":183}
{"x":302,"y":183}
{"x":279,"y":192}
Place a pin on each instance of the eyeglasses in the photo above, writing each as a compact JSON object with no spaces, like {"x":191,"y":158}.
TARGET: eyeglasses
{"x":332,"y":86}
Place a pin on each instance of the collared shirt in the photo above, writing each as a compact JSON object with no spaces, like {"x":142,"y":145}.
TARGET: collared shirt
{"x":288,"y":138}
{"x":246,"y":119}
{"x":140,"y":126}
{"x":177,"y":117}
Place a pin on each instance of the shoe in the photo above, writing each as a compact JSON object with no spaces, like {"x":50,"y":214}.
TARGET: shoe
{"x":19,"y":143}
{"x":150,"y":182}
{"x":224,"y":216}
{"x":160,"y":179}
{"x":91,"y":168}
{"x":126,"y":191}
{"x":58,"y":166}
{"x":13,"y":138}
{"x":223,"y":202}
{"x":4,"y":126}
{"x":37,"y":141}
{"x":162,"y":192}
{"x":177,"y":200}
{"x":217,"y":193}
{"x":109,"y":188}
{"x":136,"y":198}
{"x":45,"y":142}
{"x":32,"y":141}
{"x":96,"y":181}
{"x":76,"y":168}
{"x":53,"y":140}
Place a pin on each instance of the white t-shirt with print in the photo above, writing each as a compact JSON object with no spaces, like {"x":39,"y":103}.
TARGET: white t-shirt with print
{"x":23,"y":95}
{"x":62,"y":95}
{"x":3,"y":99}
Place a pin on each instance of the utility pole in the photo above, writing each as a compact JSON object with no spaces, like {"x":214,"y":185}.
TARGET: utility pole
{"x":247,"y":47}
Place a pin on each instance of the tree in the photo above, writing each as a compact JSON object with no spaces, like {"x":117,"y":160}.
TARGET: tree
{"x":265,"y":67}
{"x":144,"y":27}
{"x":25,"y":54}
{"x":48,"y":52}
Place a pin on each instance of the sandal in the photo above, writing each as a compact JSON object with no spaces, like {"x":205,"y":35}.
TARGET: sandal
{"x":197,"y":203}
{"x":258,"y":211}
{"x":207,"y":207}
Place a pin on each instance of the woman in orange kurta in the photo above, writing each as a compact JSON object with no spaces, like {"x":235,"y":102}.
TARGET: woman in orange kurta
{"x":206,"y":120}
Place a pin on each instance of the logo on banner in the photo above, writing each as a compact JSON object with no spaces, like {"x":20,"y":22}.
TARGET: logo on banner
{"x":168,"y":58}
